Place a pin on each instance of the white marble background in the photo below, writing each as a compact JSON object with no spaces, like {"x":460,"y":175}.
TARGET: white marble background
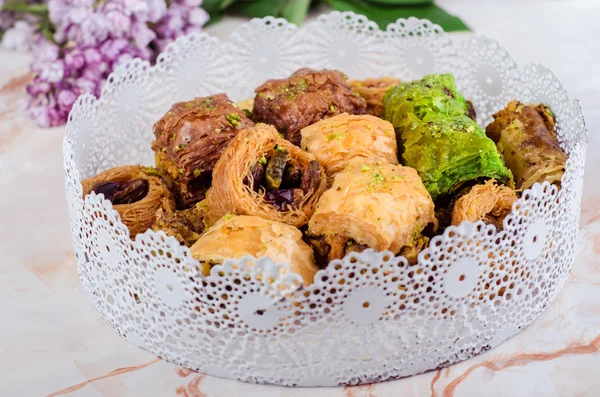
{"x":52,"y":341}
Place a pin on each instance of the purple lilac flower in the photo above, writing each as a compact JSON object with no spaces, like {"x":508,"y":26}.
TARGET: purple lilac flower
{"x":146,"y":11}
{"x":7,"y":20}
{"x":182,"y":17}
{"x":18,"y":28}
{"x":93,"y":38}
{"x":64,"y":74}
{"x":19,"y":37}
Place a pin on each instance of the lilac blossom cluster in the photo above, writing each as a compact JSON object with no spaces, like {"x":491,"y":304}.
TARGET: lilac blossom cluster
{"x":18,"y":28}
{"x":91,"y":38}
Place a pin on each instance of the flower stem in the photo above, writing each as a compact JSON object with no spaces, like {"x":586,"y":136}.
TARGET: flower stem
{"x":37,"y":9}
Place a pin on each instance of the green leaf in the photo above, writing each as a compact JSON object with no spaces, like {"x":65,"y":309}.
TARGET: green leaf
{"x":259,"y":8}
{"x":295,"y":10}
{"x":212,"y":6}
{"x":36,"y":9}
{"x":214,"y":18}
{"x":384,"y":15}
{"x":225,"y":3}
{"x":402,"y":2}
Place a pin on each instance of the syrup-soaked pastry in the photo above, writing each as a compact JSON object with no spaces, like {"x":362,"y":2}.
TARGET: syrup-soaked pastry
{"x":526,"y":137}
{"x":190,"y":138}
{"x":135,"y":192}
{"x":264,"y":175}
{"x":488,"y":202}
{"x":304,"y":98}
{"x":373,"y":204}
{"x":337,"y":140}
{"x":185,"y":225}
{"x":236,"y":236}
{"x":372,"y":91}
{"x":438,"y":138}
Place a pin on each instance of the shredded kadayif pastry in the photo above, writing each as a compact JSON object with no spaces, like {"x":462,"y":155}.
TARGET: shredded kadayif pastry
{"x":262,"y":174}
{"x":373,"y":90}
{"x":135,"y":192}
{"x":489,"y":202}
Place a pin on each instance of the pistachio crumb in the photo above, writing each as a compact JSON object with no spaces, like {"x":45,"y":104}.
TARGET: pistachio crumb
{"x":365,"y":168}
{"x":303,"y":84}
{"x":336,"y":135}
{"x":234,"y":119}
{"x":197,"y":172}
{"x":228,"y":216}
{"x":263,"y":160}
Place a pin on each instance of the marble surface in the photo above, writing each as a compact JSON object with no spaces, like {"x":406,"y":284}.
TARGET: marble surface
{"x":53,"y":342}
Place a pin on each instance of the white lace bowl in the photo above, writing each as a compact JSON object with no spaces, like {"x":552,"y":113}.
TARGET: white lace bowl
{"x":368,"y":317}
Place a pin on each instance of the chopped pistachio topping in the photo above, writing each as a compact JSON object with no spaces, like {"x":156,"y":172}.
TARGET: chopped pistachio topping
{"x":179,"y":147}
{"x":261,"y":94}
{"x":336,"y":135}
{"x":181,"y":170}
{"x":378,"y":178}
{"x":150,"y":171}
{"x":217,"y":130}
{"x":279,"y":148}
{"x":303,"y":84}
{"x":228,"y":216}
{"x":332,"y":108}
{"x":234,"y":119}
{"x":263,"y":160}
{"x":365,"y":168}
{"x":202,"y":204}
{"x":197,"y":172}
{"x":270,"y":97}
